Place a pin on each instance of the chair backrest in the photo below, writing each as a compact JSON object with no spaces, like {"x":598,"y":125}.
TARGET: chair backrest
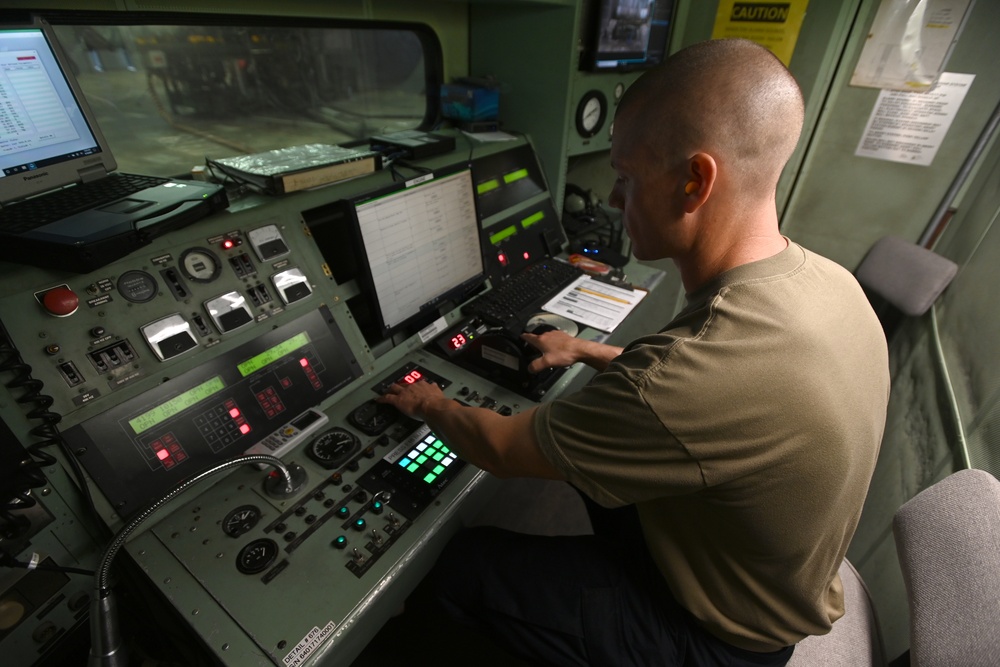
{"x":948,"y":541}
{"x":855,"y":640}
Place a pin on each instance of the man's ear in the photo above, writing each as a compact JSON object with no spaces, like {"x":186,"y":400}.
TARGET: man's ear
{"x":702,"y":172}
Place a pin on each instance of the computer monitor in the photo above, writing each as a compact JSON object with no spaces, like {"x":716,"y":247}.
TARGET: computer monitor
{"x":46,"y":140}
{"x":421,"y":246}
{"x":629,"y":35}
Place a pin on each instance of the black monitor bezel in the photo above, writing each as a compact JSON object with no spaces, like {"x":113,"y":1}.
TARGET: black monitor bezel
{"x":592,"y":55}
{"x":428,"y":311}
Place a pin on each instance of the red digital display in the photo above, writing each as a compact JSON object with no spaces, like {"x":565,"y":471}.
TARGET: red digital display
{"x":458,"y":341}
{"x":412,"y":376}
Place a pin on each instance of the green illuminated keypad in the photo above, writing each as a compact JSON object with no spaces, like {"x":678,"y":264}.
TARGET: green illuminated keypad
{"x":428,"y":459}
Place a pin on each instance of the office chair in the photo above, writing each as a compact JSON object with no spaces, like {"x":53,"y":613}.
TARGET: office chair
{"x":948,"y":543}
{"x":855,"y":640}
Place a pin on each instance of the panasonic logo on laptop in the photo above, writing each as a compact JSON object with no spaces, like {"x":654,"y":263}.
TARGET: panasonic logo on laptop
{"x":34,"y":176}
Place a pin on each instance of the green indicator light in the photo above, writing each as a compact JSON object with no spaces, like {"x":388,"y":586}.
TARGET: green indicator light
{"x":438,"y":456}
{"x":438,"y":470}
{"x":444,"y":448}
{"x":502,"y":234}
{"x":430,"y":477}
{"x":486,"y":186}
{"x":421,"y":458}
{"x":413,"y":467}
{"x":515,"y":176}
{"x":179,"y":403}
{"x":532,"y":219}
{"x":269,"y":356}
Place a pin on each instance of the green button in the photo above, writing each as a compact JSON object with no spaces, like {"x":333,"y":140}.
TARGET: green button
{"x":421,"y":458}
{"x":438,"y":456}
{"x":438,"y":470}
{"x":430,"y":477}
{"x":413,"y":467}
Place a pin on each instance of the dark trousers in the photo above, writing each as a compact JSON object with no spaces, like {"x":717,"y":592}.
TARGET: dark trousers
{"x":580,"y":600}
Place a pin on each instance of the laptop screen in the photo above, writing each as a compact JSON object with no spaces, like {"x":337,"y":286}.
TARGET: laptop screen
{"x":46,"y":140}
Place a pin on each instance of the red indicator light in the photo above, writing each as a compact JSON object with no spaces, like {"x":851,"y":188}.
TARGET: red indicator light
{"x":234,"y":413}
{"x":162,"y":454}
{"x":502,"y":259}
{"x":526,"y":255}
{"x":227,"y":244}
{"x":244,"y":428}
{"x":412,"y":377}
{"x":304,"y":362}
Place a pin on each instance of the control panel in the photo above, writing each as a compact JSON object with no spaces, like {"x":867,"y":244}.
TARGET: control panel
{"x":242,"y":334}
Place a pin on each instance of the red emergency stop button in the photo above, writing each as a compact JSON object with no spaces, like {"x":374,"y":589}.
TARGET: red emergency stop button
{"x":61,"y":301}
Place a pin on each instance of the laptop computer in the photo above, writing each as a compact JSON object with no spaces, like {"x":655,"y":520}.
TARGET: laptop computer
{"x":51,"y":150}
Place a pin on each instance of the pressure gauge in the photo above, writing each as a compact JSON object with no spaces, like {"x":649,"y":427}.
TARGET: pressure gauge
{"x":240,"y":520}
{"x":257,"y":556}
{"x":591,"y":113}
{"x":333,"y":447}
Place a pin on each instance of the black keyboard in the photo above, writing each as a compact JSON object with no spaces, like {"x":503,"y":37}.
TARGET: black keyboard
{"x":32,"y":213}
{"x":527,"y":290}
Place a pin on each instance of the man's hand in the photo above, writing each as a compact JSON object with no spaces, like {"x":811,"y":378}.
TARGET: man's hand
{"x":412,"y":399}
{"x":559,"y":349}
{"x":556,"y":347}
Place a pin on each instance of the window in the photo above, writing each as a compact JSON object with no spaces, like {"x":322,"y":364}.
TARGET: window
{"x":170,"y":90}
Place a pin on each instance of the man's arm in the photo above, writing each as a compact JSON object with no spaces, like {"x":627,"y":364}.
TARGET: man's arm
{"x":560,"y":349}
{"x":503,"y":446}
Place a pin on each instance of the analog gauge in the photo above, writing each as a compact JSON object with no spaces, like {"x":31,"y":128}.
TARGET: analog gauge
{"x":137,"y":286}
{"x":619,"y":90}
{"x":200,"y":265}
{"x":240,"y":520}
{"x":331,"y":448}
{"x":256,"y":556}
{"x":372,"y":418}
{"x":590,"y":113}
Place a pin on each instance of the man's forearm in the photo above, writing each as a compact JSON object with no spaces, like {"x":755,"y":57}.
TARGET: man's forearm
{"x":596,"y":355}
{"x":503,"y":446}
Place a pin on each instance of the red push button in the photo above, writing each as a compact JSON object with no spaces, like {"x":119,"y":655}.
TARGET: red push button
{"x":61,"y":301}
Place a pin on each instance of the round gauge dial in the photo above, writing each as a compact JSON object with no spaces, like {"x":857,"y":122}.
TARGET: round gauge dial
{"x":372,"y":418}
{"x":331,"y":448}
{"x":590,"y":113}
{"x":240,"y":520}
{"x":200,"y":265}
{"x":137,"y":286}
{"x":257,"y":556}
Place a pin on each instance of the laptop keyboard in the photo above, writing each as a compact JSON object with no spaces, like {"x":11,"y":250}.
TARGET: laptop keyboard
{"x":32,"y":213}
{"x":527,"y":289}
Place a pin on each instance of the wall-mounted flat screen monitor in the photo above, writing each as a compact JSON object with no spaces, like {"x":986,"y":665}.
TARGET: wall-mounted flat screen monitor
{"x":628,"y":34}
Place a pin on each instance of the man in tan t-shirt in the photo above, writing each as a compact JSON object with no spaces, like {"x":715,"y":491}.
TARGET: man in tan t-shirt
{"x":741,"y":438}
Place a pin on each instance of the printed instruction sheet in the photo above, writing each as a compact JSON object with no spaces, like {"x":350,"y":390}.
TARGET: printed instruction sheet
{"x":594,"y":303}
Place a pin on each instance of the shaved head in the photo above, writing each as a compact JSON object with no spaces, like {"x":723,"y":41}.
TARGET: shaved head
{"x":730,"y":98}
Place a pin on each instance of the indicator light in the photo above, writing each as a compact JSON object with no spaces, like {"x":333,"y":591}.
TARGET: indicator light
{"x":234,"y":412}
{"x":526,"y":255}
{"x":228,"y":244}
{"x":502,"y":258}
{"x":244,"y":428}
{"x":162,"y":454}
{"x":304,"y":362}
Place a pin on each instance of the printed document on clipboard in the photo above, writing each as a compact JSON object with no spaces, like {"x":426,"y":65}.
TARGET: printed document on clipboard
{"x":594,"y":303}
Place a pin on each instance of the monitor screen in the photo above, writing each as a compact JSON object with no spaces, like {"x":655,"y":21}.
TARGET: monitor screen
{"x":629,"y":34}
{"x":45,"y":126}
{"x":421,"y":242}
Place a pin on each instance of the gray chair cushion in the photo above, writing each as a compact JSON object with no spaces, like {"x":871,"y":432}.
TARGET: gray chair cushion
{"x":854,"y":641}
{"x":948,"y":539}
{"x":906,"y":275}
